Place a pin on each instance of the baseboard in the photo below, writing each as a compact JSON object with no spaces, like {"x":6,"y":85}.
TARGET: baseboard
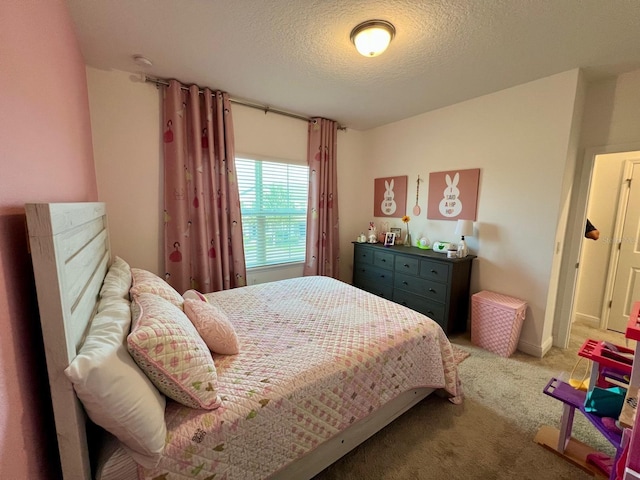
{"x":534,"y":350}
{"x":589,"y":320}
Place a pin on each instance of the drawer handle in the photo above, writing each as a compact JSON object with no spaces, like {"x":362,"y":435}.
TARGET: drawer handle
{"x":406,"y":265}
{"x":404,"y":303}
{"x":404,"y":283}
{"x":381,"y":276}
{"x":384,"y":260}
{"x":432,"y":290}
{"x":434,"y":271}
{"x":429,"y":312}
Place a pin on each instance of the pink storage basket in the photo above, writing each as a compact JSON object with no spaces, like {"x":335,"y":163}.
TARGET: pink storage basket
{"x":496,"y":321}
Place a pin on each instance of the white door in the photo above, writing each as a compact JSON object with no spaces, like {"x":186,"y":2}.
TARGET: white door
{"x":626,"y":287}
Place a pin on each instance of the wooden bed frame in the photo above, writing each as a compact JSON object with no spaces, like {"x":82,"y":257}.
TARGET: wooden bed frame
{"x":71,"y":255}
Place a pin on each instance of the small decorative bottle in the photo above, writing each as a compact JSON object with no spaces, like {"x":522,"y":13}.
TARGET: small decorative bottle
{"x":407,"y":239}
{"x":463,"y":250}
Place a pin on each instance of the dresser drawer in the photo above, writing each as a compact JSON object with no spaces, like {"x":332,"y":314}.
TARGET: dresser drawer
{"x":380,"y":289}
{"x":437,"y":271}
{"x":362,"y":271}
{"x":383,"y":259}
{"x":363,"y":255}
{"x":435,"y":311}
{"x":408,"y":265}
{"x":433,"y":291}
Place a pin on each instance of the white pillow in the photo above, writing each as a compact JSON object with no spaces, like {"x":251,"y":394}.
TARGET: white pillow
{"x":115,"y":393}
{"x":117,"y":282}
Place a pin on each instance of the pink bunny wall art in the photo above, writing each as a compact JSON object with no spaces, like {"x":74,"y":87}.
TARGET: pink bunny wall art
{"x":390,"y":197}
{"x":453,"y":195}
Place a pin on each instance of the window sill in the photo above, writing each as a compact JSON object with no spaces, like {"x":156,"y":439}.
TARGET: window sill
{"x":276,"y":266}
{"x":272,"y":273}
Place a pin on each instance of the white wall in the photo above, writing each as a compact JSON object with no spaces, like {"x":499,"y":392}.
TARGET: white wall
{"x":353,"y":200}
{"x":612,"y":111}
{"x":125,"y":125}
{"x":520,"y":139}
{"x":270,"y":135}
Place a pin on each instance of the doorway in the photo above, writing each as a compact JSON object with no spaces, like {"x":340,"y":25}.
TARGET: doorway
{"x":607,"y":283}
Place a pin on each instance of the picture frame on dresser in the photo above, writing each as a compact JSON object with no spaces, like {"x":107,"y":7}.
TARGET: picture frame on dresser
{"x":389,"y":239}
{"x":398,"y":233}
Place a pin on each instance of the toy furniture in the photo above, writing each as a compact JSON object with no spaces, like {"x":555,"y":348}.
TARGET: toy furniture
{"x":612,"y":365}
{"x":628,"y":417}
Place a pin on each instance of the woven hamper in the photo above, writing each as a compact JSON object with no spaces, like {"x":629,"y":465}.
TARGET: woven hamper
{"x":496,"y":321}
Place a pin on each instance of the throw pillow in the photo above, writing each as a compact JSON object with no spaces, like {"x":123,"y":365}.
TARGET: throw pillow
{"x":213,"y":326}
{"x":167,"y":347}
{"x":147,"y":282}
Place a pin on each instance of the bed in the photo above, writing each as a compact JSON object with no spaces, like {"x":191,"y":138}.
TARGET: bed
{"x":322,"y":366}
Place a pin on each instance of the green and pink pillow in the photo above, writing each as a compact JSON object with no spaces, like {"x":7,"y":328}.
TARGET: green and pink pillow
{"x":167,"y":347}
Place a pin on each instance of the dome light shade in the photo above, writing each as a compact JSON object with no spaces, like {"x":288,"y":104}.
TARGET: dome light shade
{"x":372,"y":37}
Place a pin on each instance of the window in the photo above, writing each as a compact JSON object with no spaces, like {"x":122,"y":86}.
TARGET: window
{"x":273,"y":200}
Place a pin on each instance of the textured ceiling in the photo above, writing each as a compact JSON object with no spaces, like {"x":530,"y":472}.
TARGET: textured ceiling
{"x":295,"y":55}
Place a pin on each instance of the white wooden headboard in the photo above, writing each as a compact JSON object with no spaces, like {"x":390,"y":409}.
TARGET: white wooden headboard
{"x":71,"y":254}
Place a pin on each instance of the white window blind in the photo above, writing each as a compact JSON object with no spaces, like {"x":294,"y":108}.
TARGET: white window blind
{"x":273,"y":200}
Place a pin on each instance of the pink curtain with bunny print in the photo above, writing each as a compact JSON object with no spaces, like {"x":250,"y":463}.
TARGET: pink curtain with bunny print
{"x":203,"y":247}
{"x":323,"y":243}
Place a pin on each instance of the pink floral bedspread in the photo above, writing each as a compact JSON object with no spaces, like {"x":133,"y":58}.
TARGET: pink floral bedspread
{"x":316,"y":355}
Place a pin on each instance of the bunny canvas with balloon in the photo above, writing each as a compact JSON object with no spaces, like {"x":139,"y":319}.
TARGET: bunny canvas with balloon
{"x":390,"y":197}
{"x":453,"y":195}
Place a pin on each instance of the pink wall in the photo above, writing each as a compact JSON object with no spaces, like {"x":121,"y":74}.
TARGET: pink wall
{"x":45,"y":155}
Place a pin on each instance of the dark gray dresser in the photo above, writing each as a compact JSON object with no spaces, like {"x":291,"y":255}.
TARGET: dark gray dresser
{"x":422,"y":280}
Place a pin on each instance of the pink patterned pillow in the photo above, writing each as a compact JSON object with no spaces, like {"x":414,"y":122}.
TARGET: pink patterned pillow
{"x":213,"y":326}
{"x":168,"y":349}
{"x":147,"y":282}
{"x":194,"y":294}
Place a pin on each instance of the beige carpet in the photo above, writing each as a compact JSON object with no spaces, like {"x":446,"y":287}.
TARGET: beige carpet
{"x":491,"y":435}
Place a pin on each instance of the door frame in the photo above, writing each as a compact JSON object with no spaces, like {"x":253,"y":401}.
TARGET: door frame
{"x":565,"y":307}
{"x":614,"y":256}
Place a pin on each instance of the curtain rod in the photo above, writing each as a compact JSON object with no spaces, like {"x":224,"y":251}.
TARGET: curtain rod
{"x":266,"y":109}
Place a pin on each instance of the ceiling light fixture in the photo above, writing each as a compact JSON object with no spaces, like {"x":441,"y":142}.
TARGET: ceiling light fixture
{"x":142,"y":61}
{"x":372,"y":37}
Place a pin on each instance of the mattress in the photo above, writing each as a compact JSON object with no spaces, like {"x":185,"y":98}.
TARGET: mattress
{"x":316,"y":355}
{"x":112,"y":461}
